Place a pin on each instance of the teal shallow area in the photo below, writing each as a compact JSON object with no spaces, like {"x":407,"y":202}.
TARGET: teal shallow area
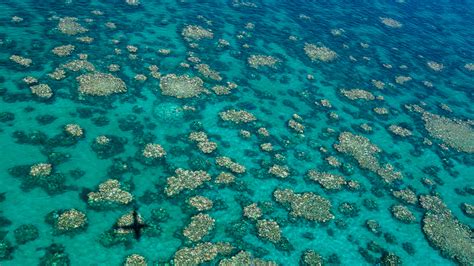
{"x":395,"y":63}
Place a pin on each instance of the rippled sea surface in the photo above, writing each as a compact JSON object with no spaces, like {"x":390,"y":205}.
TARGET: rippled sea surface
{"x":238,"y":132}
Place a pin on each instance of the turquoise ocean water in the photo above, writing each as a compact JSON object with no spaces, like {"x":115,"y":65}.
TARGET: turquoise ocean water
{"x":368,"y":107}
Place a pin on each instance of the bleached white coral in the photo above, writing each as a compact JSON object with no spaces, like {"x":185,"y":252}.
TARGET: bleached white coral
{"x":319,"y":53}
{"x":100,"y":84}
{"x":181,"y":86}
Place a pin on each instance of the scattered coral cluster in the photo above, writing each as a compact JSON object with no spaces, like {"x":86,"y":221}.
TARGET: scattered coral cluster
{"x":70,"y":26}
{"x":351,"y":153}
{"x":196,"y":33}
{"x":237,"y":116}
{"x":319,"y":53}
{"x":258,"y":61}
{"x":185,"y":180}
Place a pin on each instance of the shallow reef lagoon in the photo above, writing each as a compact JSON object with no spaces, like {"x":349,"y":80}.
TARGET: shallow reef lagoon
{"x":239,"y":132}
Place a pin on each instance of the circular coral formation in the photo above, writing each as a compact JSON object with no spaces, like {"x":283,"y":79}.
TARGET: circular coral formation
{"x":435,"y":66}
{"x":207,"y":146}
{"x":225,"y":178}
{"x":268,"y":147}
{"x":58,"y":74}
{"x":110,"y":194}
{"x":74,"y":130}
{"x":41,"y":170}
{"x":402,"y":213}
{"x":71,"y":220}
{"x":100,"y":84}
{"x":42,"y":91}
{"x":311,"y":258}
{"x":198,"y":136}
{"x":296,"y":126}
{"x":196,"y":33}
{"x":153,"y":151}
{"x":245,"y":133}
{"x":70,"y":26}
{"x":252,"y":211}
{"x":200,"y":203}
{"x":281,"y":171}
{"x":269,"y":230}
{"x":181,"y":86}
{"x":381,"y":110}
{"x":63,"y":50}
{"x":135,"y":260}
{"x":102,"y":140}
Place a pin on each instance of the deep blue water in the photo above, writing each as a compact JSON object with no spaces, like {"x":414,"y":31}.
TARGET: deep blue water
{"x":342,"y":87}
